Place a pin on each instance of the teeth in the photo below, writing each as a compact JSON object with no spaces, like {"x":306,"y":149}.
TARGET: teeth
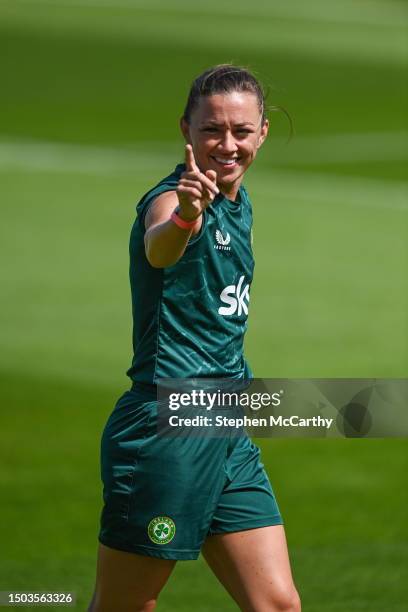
{"x":225,"y":161}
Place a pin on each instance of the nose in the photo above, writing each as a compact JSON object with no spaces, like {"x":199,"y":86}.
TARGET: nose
{"x":227,"y":143}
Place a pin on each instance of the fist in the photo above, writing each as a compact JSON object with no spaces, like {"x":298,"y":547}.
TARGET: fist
{"x":195,"y":190}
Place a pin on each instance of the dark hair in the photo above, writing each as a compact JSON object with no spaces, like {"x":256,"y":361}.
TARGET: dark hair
{"x":225,"y":78}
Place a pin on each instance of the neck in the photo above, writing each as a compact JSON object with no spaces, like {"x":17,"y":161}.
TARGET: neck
{"x":230,"y":190}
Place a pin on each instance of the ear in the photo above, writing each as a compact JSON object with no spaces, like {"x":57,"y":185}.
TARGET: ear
{"x":185,"y":130}
{"x":263,"y":134}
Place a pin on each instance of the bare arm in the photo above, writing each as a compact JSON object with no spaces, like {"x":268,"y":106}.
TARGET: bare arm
{"x":165,"y":242}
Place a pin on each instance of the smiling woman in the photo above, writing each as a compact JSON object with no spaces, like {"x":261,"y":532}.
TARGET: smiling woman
{"x":217,"y":499}
{"x":226,"y":132}
{"x":225,"y":121}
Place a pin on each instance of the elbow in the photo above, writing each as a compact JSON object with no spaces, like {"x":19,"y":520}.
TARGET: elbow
{"x":157,"y":255}
{"x":155,"y":263}
{"x":153,"y":260}
{"x":156,"y":260}
{"x":152,"y":254}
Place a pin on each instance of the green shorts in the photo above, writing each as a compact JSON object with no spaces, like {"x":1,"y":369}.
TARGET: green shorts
{"x":163,"y":496}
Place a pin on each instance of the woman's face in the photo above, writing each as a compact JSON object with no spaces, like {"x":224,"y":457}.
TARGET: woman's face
{"x":226,"y":132}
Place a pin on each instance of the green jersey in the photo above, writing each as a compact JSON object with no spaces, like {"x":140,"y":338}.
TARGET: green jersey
{"x":189,"y":320}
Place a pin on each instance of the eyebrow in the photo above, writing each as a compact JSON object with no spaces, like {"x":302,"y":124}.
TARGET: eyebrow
{"x":217,"y":124}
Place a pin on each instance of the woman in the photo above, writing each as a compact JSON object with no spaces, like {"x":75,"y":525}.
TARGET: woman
{"x":190,"y":269}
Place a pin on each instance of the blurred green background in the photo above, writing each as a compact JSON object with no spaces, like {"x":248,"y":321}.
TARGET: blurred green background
{"x":90,"y":96}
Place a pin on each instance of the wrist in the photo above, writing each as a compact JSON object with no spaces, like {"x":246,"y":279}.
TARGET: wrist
{"x":182,"y":214}
{"x":187,"y":224}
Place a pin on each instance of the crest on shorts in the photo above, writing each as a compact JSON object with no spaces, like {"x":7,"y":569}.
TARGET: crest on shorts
{"x":161,"y":530}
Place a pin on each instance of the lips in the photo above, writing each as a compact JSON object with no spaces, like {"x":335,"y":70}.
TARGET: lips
{"x":225,"y":162}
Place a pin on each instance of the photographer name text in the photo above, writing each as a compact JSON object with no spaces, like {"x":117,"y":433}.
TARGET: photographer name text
{"x":245,"y":421}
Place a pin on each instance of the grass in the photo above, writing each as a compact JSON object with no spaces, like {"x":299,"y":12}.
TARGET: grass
{"x":88,"y":122}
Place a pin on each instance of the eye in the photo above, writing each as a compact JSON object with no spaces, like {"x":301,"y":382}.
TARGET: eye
{"x":210,"y":130}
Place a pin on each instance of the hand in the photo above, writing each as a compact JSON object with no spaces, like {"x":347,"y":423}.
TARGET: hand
{"x":195,"y":190}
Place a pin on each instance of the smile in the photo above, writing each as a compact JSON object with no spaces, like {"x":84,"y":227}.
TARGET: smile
{"x":224,"y":161}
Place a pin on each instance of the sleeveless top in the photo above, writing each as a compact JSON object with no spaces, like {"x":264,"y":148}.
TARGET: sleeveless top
{"x":189,"y":319}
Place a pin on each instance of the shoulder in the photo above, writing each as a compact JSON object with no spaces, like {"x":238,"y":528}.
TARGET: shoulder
{"x":167,"y":184}
{"x":160,"y":209}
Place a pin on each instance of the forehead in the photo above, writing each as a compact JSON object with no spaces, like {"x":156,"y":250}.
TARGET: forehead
{"x":232,"y":107}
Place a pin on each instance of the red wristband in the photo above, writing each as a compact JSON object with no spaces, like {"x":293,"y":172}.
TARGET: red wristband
{"x":181,"y":223}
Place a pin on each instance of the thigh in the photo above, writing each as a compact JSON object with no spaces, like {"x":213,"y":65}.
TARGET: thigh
{"x":254,"y":567}
{"x":127,"y":582}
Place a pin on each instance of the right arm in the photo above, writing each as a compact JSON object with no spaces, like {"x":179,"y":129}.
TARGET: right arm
{"x":165,"y":242}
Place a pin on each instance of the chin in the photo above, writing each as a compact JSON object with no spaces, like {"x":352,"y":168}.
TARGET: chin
{"x":229,"y":176}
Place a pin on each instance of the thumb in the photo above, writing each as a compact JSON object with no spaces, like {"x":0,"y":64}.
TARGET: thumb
{"x":212,"y":175}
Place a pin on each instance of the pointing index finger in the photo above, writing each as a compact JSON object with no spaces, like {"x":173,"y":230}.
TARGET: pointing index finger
{"x":191,"y":165}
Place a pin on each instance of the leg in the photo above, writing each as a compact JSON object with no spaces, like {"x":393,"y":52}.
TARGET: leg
{"x":254,"y":568}
{"x":126,"y":582}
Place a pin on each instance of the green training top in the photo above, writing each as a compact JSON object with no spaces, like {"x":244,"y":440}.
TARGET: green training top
{"x":189,"y":319}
